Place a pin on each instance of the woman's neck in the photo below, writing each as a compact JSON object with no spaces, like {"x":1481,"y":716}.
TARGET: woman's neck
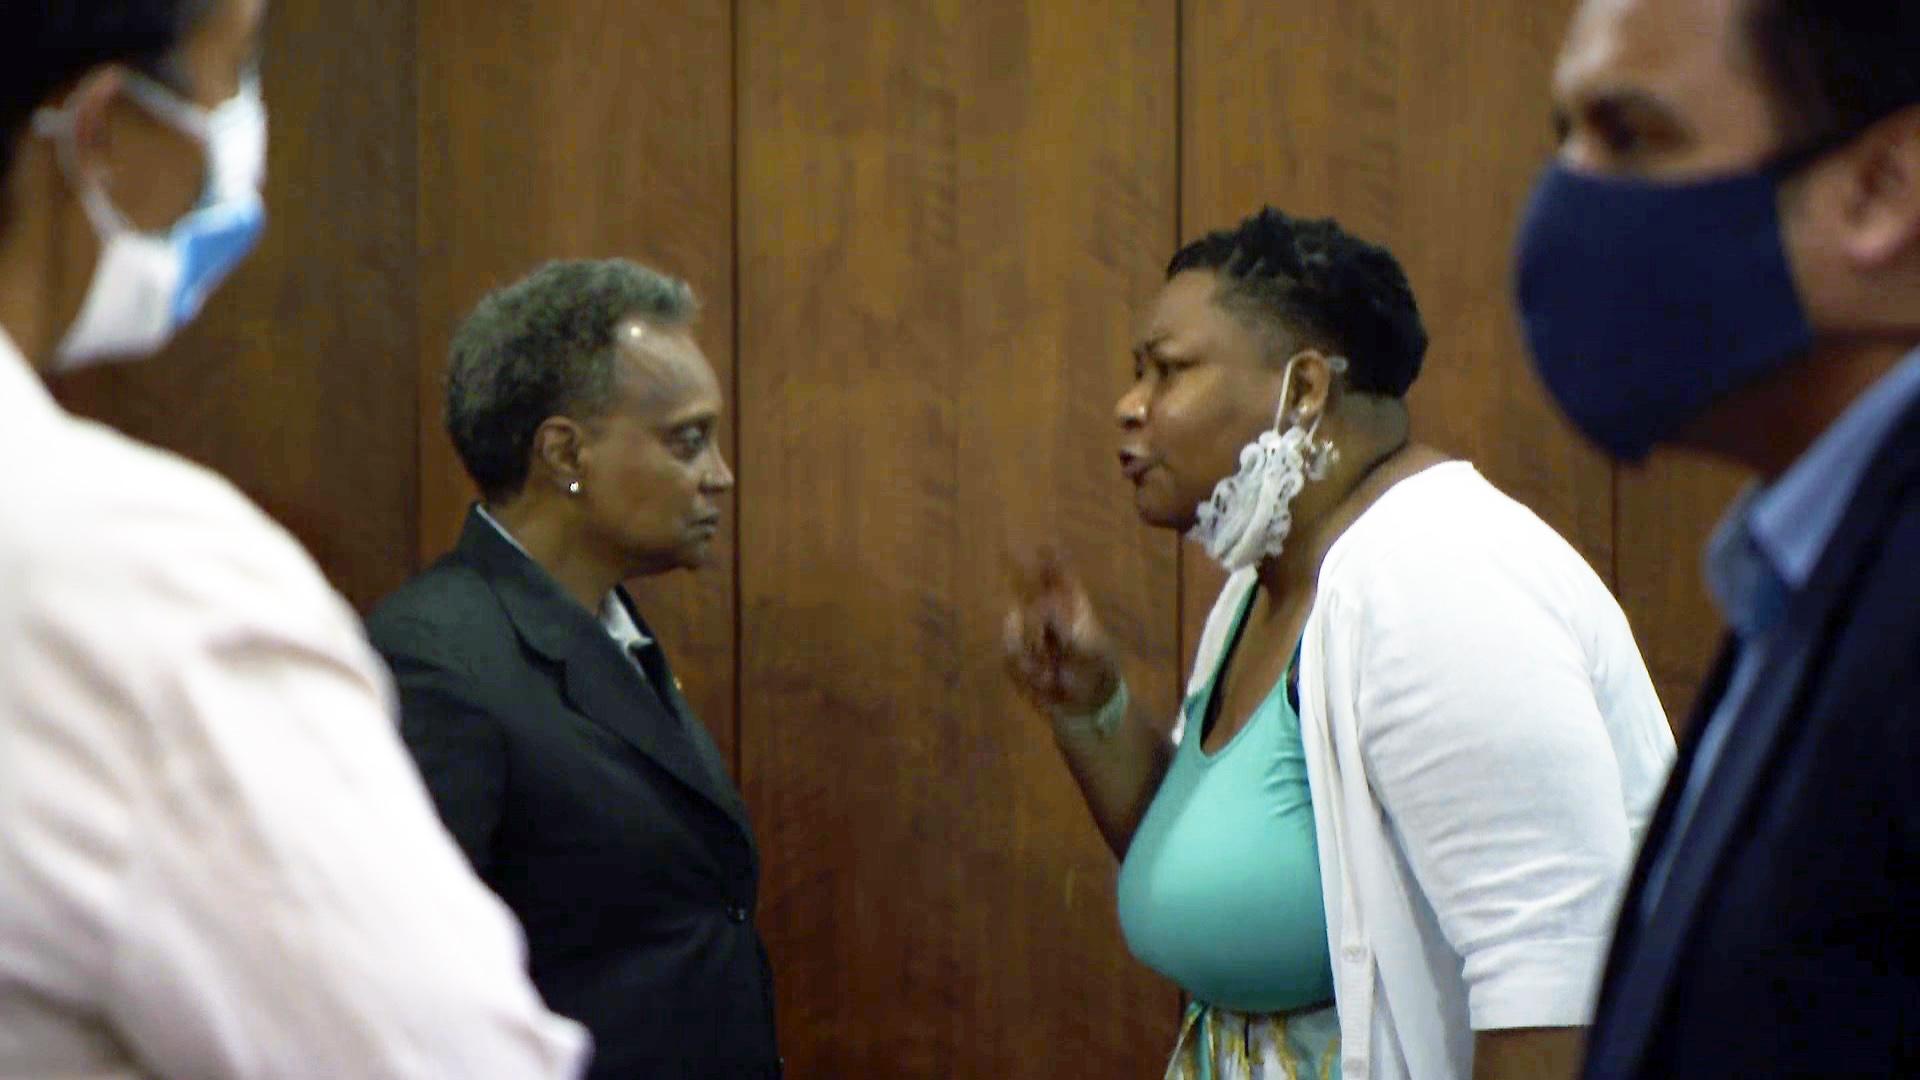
{"x":554,"y":544}
{"x":1345,"y":494}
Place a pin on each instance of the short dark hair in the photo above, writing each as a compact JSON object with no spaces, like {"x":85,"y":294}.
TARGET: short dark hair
{"x":1316,"y":284}
{"x":1834,"y":67}
{"x":544,"y":347}
{"x":48,"y":45}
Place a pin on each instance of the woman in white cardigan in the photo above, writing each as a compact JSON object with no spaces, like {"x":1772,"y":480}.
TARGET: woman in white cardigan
{"x":1388,"y":832}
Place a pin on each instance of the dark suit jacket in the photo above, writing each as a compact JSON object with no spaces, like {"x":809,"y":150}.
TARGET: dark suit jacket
{"x":1786,"y":941}
{"x":605,"y":820}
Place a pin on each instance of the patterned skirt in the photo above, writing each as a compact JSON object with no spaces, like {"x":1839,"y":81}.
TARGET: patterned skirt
{"x":1219,"y":1044}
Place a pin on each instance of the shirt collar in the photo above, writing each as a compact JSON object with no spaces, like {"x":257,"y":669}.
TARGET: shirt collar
{"x":1795,"y":517}
{"x":481,"y":509}
{"x":614,"y":615}
{"x":619,"y":623}
{"x":1745,"y":584}
{"x":1768,"y":545}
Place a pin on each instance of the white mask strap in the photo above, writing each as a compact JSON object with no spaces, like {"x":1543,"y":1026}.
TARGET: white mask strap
{"x":169,"y":107}
{"x":160,"y":101}
{"x":1339,"y":366}
{"x":57,"y":125}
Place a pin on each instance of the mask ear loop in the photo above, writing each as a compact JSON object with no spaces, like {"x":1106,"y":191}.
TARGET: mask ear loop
{"x":188,"y":118}
{"x":160,"y":102}
{"x":1321,"y":455}
{"x":1286,"y":392}
{"x":1339,"y":366}
{"x":57,"y":126}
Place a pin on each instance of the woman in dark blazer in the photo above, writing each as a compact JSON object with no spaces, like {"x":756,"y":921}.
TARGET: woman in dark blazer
{"x":542,"y":713}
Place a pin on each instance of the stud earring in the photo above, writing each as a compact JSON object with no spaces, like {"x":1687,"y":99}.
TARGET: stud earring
{"x":573,"y":487}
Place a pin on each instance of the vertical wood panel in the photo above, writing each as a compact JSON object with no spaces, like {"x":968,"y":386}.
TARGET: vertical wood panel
{"x":1419,"y":125}
{"x":1667,"y":511}
{"x":950,"y":214}
{"x":576,"y":129}
{"x":297,"y":382}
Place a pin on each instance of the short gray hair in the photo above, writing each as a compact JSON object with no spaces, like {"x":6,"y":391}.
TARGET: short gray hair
{"x":544,"y":347}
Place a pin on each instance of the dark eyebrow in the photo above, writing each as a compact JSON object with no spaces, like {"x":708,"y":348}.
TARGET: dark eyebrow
{"x":1155,"y":348}
{"x":1632,"y":101}
{"x":703,"y":418}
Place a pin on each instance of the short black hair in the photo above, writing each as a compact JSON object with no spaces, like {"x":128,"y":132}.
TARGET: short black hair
{"x":48,"y":45}
{"x":544,"y":347}
{"x":1317,"y":284}
{"x":1834,"y":67}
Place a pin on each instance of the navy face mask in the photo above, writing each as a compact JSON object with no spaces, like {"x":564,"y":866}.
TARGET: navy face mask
{"x":1645,"y":303}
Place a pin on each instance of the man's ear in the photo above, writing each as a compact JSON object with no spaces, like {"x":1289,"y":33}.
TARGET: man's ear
{"x":1880,"y":200}
{"x":559,"y":445}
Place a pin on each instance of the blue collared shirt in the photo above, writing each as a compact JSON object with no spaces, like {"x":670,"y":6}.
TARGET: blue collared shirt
{"x":1765,"y":552}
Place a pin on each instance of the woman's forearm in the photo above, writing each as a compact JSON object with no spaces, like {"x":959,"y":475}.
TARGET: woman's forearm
{"x":1118,"y":773}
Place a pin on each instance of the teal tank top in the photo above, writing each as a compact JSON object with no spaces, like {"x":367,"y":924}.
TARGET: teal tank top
{"x":1220,"y":890}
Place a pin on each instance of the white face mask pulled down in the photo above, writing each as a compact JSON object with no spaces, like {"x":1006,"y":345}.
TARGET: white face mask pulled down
{"x":146,"y":287}
{"x":1249,"y":514}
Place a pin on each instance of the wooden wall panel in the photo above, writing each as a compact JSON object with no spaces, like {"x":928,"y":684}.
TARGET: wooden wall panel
{"x":297,"y":382}
{"x":1666,"y":513}
{"x":579,"y":130}
{"x":951,"y":213}
{"x":1419,"y":125}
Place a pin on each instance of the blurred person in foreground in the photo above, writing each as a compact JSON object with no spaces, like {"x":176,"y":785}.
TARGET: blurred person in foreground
{"x":1419,"y":744}
{"x":215,"y":858}
{"x":1725,"y":259}
{"x":542,"y":711}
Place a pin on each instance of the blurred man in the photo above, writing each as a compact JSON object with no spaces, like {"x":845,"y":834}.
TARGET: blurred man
{"x":215,"y":858}
{"x":1726,"y":258}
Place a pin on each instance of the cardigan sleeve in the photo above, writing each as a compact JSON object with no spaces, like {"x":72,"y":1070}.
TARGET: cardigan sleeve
{"x":1484,"y":743}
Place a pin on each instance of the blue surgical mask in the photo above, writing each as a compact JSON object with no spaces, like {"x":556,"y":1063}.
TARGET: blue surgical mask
{"x":147,"y":287}
{"x":1646,"y":303}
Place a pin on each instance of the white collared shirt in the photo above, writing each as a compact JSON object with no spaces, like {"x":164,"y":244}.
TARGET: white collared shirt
{"x":1484,"y":749}
{"x":216,"y":858}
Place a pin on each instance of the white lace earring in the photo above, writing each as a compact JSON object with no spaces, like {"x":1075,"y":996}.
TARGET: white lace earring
{"x":1321,"y":454}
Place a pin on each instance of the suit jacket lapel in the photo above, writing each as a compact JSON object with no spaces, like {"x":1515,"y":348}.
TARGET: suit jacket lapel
{"x":602,"y":683}
{"x":599,"y":680}
{"x":660,"y":681}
